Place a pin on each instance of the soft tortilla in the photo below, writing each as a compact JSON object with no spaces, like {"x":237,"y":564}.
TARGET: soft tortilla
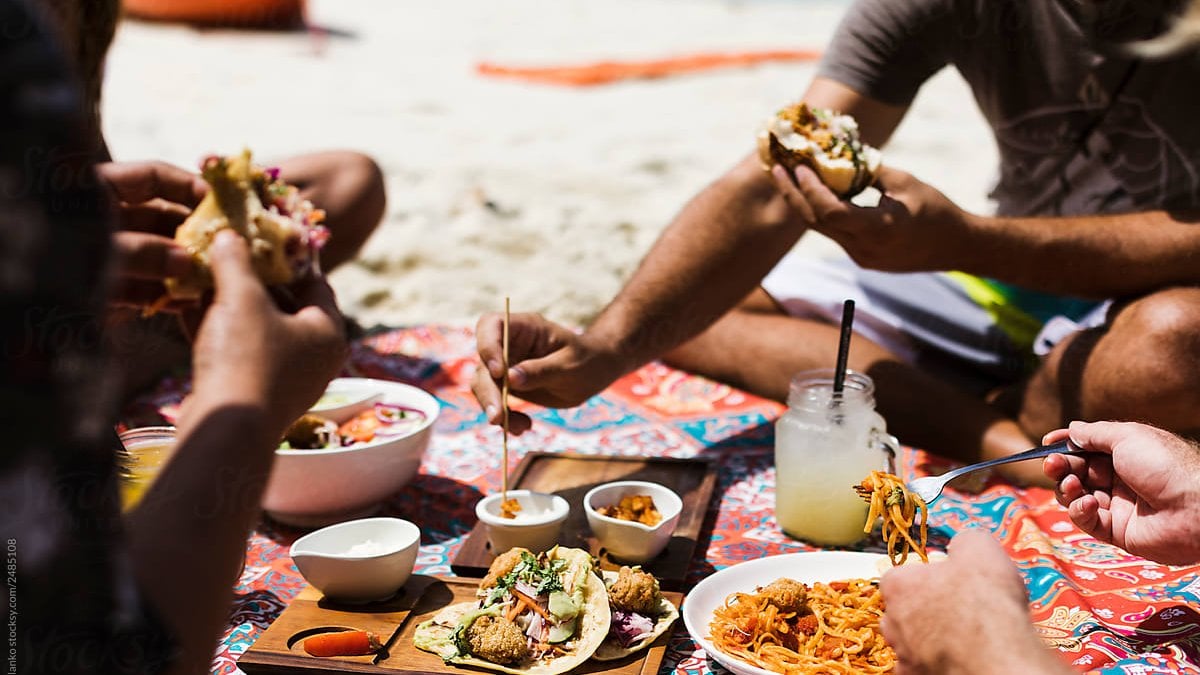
{"x":611,"y":650}
{"x":232,"y":203}
{"x":437,"y":634}
{"x":844,"y":181}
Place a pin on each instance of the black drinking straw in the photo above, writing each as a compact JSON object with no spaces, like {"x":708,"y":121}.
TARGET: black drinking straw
{"x":839,"y":372}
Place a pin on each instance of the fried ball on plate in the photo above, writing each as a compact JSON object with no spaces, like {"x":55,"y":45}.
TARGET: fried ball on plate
{"x":786,"y":594}
{"x":635,"y":591}
{"x":496,"y":639}
{"x":502,"y":565}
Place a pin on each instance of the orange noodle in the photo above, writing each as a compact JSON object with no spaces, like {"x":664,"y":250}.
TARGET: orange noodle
{"x":835,"y":629}
{"x":900,"y":510}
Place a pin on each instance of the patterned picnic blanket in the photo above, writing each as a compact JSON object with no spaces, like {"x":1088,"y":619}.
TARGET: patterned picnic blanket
{"x":1104,"y":610}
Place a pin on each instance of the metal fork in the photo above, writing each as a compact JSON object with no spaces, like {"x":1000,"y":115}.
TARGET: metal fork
{"x":929,"y":488}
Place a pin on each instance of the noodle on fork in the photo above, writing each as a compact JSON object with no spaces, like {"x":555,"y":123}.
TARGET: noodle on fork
{"x":900,"y":510}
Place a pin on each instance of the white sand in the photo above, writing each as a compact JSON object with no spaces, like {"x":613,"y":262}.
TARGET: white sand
{"x":582,"y":180}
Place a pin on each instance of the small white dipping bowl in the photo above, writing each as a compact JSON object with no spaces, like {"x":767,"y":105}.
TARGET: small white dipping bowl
{"x":311,"y":488}
{"x":536,"y":526}
{"x":359,"y":561}
{"x":626,"y":540}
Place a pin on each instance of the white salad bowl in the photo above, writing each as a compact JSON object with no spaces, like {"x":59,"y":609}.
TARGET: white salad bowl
{"x":536,"y":526}
{"x":344,"y":398}
{"x":311,"y":488}
{"x":359,"y":561}
{"x":626,"y":540}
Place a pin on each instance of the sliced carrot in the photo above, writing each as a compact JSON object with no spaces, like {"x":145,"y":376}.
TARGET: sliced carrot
{"x":532,"y":604}
{"x":515,"y":610}
{"x":342,"y":643}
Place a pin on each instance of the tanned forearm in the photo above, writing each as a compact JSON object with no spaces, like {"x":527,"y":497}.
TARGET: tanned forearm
{"x":721,"y":245}
{"x":1087,"y":256}
{"x":712,"y":255}
{"x":194,"y":520}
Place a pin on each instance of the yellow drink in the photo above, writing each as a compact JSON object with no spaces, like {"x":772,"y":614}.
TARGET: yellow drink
{"x":146,"y":451}
{"x":823,"y":448}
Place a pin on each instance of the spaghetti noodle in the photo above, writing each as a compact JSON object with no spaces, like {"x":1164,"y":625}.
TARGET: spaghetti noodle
{"x":900,"y":510}
{"x":833,"y":628}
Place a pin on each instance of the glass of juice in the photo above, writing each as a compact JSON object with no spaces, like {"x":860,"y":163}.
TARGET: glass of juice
{"x":145,"y":452}
{"x":825,"y":444}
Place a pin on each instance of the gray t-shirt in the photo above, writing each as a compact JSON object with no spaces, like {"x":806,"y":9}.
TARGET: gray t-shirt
{"x":1081,"y":127}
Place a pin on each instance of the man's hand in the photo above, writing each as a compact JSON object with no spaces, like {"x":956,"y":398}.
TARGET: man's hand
{"x":914,"y":228}
{"x":1140,"y":492}
{"x":249,"y":352}
{"x":968,"y":614}
{"x":151,"y":199}
{"x":549,"y":364}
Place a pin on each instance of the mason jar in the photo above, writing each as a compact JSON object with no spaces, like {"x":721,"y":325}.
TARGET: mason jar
{"x":824,"y":446}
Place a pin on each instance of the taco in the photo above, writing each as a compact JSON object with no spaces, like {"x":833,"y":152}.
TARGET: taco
{"x":284,"y":230}
{"x":640,"y":613}
{"x":536,"y":615}
{"x":823,"y":140}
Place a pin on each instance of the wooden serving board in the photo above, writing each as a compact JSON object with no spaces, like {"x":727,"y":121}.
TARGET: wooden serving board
{"x":571,"y":476}
{"x":279,"y":649}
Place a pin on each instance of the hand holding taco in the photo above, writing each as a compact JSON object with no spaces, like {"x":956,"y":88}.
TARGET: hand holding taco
{"x":823,"y":140}
{"x":284,"y":230}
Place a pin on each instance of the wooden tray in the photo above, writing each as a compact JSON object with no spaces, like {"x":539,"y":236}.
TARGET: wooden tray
{"x":571,"y":476}
{"x":278,"y":650}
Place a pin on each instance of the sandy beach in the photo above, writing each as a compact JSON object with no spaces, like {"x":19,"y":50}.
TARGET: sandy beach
{"x":548,"y":194}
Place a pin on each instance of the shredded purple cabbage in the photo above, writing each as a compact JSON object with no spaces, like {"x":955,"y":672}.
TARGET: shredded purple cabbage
{"x":630,"y":627}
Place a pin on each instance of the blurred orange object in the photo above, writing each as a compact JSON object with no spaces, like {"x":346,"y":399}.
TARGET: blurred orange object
{"x":256,"y":13}
{"x":605,"y":72}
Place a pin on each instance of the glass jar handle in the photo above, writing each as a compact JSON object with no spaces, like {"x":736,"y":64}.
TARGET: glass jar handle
{"x":890,"y":445}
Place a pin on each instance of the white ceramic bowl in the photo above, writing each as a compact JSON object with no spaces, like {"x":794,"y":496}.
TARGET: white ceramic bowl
{"x":344,"y":398}
{"x":359,"y":561}
{"x":311,"y":488}
{"x":626,"y":540}
{"x":536,"y":526}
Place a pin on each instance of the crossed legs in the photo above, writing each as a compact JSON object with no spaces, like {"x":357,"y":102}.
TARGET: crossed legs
{"x":1144,"y":365}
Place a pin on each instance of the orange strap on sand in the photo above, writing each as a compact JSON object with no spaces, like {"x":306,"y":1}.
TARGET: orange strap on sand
{"x":606,"y":72}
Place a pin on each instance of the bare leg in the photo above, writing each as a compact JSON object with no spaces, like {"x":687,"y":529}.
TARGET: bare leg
{"x":758,"y":348}
{"x":349,"y":186}
{"x":1143,"y":365}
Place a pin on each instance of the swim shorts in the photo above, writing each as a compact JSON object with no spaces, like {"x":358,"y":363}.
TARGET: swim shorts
{"x":992,"y":331}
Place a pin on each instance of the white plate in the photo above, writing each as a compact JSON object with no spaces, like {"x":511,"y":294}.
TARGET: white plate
{"x":808,"y":568}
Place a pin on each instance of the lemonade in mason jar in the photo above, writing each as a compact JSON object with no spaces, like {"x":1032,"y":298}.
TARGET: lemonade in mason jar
{"x":824,"y":446}
{"x":145,"y":452}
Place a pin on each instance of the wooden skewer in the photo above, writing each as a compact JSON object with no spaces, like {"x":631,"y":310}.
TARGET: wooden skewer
{"x":504,"y":410}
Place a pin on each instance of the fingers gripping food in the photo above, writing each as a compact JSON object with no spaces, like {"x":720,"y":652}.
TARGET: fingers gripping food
{"x":536,"y":615}
{"x":640,"y":613}
{"x":823,"y":140}
{"x":283,"y":229}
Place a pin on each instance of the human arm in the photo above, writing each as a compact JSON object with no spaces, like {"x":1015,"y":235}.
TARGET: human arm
{"x":916,"y":228}
{"x":967,"y":614}
{"x":717,"y":249}
{"x":1139,"y":491}
{"x":256,"y":369}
